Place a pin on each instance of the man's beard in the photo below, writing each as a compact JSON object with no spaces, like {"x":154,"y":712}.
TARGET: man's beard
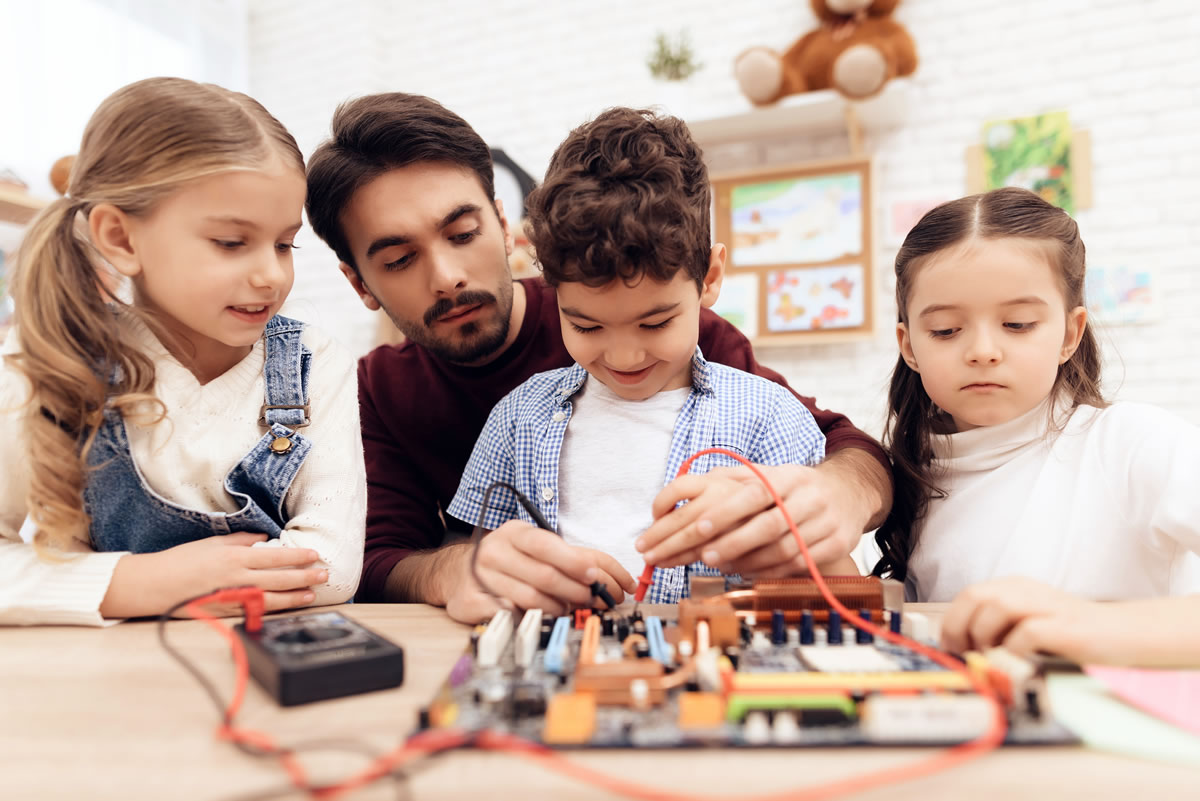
{"x":475,"y":341}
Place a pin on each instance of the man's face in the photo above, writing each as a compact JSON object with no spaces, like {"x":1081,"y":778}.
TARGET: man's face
{"x":432,"y":251}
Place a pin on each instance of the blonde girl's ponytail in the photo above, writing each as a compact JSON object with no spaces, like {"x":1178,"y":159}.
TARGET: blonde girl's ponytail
{"x":70,"y":345}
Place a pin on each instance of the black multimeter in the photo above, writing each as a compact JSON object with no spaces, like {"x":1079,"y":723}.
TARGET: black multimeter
{"x":315,"y":656}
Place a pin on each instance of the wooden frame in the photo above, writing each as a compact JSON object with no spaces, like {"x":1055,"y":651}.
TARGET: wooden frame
{"x":824,"y":248}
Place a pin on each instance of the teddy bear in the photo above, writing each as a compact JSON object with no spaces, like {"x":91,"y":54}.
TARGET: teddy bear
{"x":857,"y":50}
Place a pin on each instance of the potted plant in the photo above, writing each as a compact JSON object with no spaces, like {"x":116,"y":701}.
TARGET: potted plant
{"x":671,"y":63}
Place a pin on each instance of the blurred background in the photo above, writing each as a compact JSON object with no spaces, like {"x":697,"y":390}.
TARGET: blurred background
{"x":1115,"y":83}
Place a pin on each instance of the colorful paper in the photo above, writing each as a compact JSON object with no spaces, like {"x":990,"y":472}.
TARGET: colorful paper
{"x":1101,"y":720}
{"x":1170,"y":695}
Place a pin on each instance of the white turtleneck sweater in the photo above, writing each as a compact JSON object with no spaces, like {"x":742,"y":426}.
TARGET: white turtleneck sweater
{"x":185,"y":458}
{"x":1108,"y":509}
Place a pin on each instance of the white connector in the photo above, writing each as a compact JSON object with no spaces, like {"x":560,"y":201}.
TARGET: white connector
{"x":937,"y":718}
{"x":528,"y":634}
{"x":494,"y":639}
{"x":756,"y":729}
{"x":785,"y":730}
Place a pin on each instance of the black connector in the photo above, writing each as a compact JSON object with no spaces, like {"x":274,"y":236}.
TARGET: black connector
{"x":601,"y":592}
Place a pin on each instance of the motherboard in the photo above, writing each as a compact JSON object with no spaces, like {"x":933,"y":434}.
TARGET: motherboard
{"x":767,"y":664}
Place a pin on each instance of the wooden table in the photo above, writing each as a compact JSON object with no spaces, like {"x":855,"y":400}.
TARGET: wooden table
{"x":105,"y":713}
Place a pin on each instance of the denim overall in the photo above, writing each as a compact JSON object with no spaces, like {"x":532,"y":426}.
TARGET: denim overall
{"x":129,"y":516}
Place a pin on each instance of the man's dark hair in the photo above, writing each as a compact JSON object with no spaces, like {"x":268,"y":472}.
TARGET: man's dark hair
{"x":378,"y":133}
{"x":626,"y":195}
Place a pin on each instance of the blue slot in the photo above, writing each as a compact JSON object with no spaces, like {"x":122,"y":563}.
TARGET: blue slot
{"x":656,"y":640}
{"x":557,"y":647}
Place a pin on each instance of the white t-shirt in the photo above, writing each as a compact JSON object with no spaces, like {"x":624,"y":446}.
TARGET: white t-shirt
{"x":606,"y":487}
{"x":1109,"y":508}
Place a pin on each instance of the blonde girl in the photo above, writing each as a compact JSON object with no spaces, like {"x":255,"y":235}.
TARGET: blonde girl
{"x":155,"y":446}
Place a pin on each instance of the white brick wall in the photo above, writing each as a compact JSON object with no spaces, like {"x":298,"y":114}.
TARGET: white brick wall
{"x":524,"y":73}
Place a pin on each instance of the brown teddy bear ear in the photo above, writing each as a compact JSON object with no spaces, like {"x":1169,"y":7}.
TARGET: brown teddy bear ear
{"x":60,"y":174}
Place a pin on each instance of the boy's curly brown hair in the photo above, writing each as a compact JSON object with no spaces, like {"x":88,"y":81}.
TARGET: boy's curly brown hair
{"x":625,"y":196}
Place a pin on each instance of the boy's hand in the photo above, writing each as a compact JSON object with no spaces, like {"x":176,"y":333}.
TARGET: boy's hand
{"x":731,"y":523}
{"x":531,"y":568}
{"x":151,"y":583}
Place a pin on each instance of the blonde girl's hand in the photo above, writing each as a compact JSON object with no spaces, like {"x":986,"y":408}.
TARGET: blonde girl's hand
{"x":149,"y":584}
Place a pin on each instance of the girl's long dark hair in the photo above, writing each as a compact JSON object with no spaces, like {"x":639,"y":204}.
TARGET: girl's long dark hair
{"x":908,"y":437}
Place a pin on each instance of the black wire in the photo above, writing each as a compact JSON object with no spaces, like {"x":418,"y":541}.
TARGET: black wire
{"x":597,"y":587}
{"x":399,"y":775}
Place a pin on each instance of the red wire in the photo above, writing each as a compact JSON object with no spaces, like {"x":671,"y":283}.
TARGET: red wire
{"x":434,"y":741}
{"x":251,"y":599}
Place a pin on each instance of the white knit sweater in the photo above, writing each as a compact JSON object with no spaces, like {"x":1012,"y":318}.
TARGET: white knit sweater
{"x":209,"y":428}
{"x":1107,"y":509}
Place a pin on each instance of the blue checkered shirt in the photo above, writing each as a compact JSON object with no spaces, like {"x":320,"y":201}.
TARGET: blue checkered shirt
{"x":727,"y":408}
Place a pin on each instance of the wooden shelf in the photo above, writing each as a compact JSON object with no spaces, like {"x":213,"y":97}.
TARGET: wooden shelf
{"x":18,"y":207}
{"x":807,"y":113}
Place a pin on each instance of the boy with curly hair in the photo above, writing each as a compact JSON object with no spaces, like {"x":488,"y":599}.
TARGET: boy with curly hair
{"x":621,"y":230}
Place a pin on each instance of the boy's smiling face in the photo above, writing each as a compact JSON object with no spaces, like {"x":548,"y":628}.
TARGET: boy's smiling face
{"x":638,"y":339}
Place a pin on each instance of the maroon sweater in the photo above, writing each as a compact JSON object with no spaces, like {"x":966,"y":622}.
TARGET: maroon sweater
{"x":421,"y":416}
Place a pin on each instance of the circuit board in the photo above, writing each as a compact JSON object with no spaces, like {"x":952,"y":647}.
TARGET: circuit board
{"x":762,"y":665}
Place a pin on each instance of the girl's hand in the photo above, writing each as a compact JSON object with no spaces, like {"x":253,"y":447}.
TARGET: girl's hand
{"x":150,"y":584}
{"x":1028,"y":617}
{"x":985,"y":614}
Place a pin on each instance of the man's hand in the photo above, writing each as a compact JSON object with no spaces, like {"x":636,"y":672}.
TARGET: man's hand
{"x":530,"y":568}
{"x":731,"y":523}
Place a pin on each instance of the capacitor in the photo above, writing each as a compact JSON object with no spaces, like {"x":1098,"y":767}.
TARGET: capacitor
{"x":895,"y":621}
{"x":756,"y":729}
{"x":622,"y":629}
{"x":861,"y":635}
{"x":807,"y":635}
{"x":606,"y":625}
{"x":835,"y":627}
{"x":778,"y":628}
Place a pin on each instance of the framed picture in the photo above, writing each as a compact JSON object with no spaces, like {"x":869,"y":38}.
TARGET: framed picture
{"x":800,"y":250}
{"x":1123,"y":295}
{"x":904,"y":212}
{"x":1041,"y":153}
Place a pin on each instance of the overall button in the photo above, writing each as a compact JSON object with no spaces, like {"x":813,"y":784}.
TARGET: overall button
{"x":547,"y":493}
{"x":280,"y":445}
{"x":558,"y":417}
